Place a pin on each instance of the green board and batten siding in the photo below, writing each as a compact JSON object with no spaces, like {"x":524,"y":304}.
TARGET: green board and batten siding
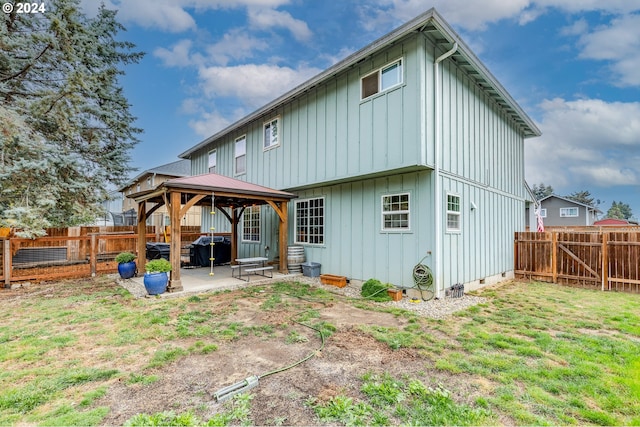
{"x":328,"y":134}
{"x":351,"y":152}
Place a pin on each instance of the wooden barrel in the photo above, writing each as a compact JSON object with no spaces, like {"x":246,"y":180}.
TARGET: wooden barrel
{"x":295,"y":257}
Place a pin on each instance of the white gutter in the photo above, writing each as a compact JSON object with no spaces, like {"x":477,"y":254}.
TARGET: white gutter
{"x":436,"y":162}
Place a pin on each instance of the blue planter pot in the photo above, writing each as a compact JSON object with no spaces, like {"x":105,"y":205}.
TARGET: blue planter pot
{"x":127,"y":269}
{"x":155,"y":283}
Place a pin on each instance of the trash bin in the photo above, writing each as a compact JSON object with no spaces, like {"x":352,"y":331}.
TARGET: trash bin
{"x":310,"y":269}
{"x":200,"y":251}
{"x":158,"y":250}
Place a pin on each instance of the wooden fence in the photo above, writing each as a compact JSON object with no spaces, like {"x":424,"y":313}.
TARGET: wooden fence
{"x":605,"y":260}
{"x":75,"y":252}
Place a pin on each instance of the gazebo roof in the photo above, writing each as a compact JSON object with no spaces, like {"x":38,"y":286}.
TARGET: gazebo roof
{"x":227,"y":191}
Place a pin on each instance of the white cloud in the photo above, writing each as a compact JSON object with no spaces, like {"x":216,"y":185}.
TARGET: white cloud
{"x":161,"y":14}
{"x":171,"y":15}
{"x":619,"y":43}
{"x":177,"y":56}
{"x":209,"y":123}
{"x":237,"y":44}
{"x":254,"y":85}
{"x":263,"y":18}
{"x":586,"y":143}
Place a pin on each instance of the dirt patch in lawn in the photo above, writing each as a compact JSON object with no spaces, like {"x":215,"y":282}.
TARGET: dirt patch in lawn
{"x":190,"y":383}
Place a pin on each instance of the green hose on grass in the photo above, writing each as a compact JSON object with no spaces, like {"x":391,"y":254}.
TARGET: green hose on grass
{"x":252,"y":381}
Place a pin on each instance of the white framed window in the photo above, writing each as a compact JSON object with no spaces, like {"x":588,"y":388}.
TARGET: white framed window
{"x":382,"y":79}
{"x":568,"y":212}
{"x":149,"y":182}
{"x":271,"y":132}
{"x":310,"y":221}
{"x":137,"y":187}
{"x":453,"y":213}
{"x":395,"y":212}
{"x":543,"y":212}
{"x":251,"y":224}
{"x":213,"y":161}
{"x":241,"y":155}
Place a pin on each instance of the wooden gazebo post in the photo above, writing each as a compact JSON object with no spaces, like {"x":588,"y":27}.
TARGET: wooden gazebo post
{"x":283,"y":232}
{"x":175,"y":283}
{"x":142,"y":236}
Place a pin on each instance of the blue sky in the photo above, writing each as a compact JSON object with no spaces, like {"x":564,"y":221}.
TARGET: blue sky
{"x":573,"y":65}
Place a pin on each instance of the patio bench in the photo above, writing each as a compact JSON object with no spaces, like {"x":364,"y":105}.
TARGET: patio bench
{"x":262,"y":269}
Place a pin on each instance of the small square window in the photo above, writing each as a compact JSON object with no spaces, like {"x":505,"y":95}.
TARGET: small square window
{"x":395,"y":212}
{"x":382,"y":79}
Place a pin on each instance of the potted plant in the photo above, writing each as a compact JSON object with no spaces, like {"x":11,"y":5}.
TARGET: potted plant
{"x":126,"y":264}
{"x":157,"y":276}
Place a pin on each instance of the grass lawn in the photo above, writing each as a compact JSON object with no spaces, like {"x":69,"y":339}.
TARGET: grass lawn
{"x":536,"y":354}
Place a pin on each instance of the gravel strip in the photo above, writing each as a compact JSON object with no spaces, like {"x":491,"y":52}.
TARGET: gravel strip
{"x":435,"y":308}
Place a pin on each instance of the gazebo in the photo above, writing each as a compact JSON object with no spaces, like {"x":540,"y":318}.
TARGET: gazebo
{"x":229,"y":196}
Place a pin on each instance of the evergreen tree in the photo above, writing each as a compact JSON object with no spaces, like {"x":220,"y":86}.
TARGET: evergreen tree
{"x":65,"y":130}
{"x":541,"y":191}
{"x":583,"y":197}
{"x":619,"y":210}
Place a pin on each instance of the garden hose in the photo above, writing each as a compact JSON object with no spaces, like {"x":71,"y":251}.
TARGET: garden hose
{"x":252,"y":381}
{"x":423,"y":280}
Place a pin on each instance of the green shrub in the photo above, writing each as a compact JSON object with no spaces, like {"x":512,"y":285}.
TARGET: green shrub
{"x":124,"y":257}
{"x":375,"y":290}
{"x":158,"y":266}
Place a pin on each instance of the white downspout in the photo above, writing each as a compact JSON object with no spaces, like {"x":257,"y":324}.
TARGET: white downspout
{"x":436,"y":162}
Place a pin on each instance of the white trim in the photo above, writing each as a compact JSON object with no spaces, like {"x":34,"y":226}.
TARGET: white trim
{"x":458,"y":213}
{"x":378,"y":71}
{"x":567,"y":215}
{"x":269,"y":122}
{"x":214,"y":151}
{"x":398,"y":212}
{"x":259,"y":212}
{"x":323,"y":225}
{"x":236,"y":156}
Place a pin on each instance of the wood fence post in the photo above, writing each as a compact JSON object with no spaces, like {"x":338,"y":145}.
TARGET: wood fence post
{"x":93,"y":258}
{"x":554,"y":256}
{"x":6,"y":262}
{"x":605,"y":261}
{"x":516,"y":261}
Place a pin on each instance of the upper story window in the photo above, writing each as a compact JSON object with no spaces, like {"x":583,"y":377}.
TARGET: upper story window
{"x":137,"y":187}
{"x":241,"y":155}
{"x":213,"y":161}
{"x":382,"y":79}
{"x":453,"y":213}
{"x":543,"y":212}
{"x":568,"y":212}
{"x":272,"y":133}
{"x":395,"y":212}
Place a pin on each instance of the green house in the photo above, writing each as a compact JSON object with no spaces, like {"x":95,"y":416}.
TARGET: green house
{"x":408,"y":151}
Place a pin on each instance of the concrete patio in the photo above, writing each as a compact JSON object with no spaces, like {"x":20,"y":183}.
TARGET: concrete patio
{"x":195,"y":280}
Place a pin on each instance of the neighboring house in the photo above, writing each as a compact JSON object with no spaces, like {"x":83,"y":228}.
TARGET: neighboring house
{"x":562,"y":212}
{"x":150,"y":179}
{"x":407,"y":151}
